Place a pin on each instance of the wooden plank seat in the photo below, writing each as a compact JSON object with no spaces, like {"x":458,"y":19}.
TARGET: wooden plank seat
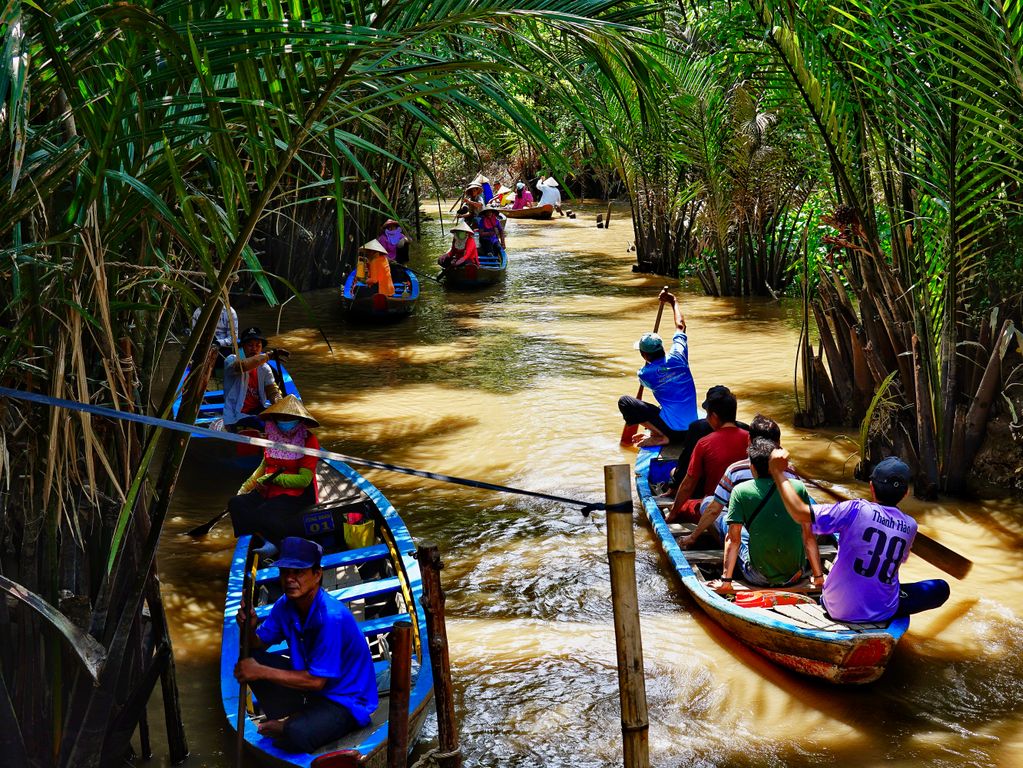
{"x":333,"y":560}
{"x":369,"y":628}
{"x":365,"y":590}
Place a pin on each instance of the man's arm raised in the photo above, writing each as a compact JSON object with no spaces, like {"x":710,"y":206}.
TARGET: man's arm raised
{"x":798,"y":509}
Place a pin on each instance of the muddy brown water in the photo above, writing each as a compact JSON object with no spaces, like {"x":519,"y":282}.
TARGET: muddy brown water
{"x":517,"y":385}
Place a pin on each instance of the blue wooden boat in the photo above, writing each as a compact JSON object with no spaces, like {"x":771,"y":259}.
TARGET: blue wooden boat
{"x":787,"y":625}
{"x":381,"y":585}
{"x":357,"y":299}
{"x":211,"y":416}
{"x":491,"y":270}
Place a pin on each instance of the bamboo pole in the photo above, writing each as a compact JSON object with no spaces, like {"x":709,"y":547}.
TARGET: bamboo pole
{"x":450,"y":755}
{"x":621,"y":553}
{"x":401,"y":683}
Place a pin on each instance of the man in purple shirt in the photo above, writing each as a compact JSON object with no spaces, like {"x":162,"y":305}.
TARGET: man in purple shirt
{"x":874,"y":540}
{"x":328,"y":687}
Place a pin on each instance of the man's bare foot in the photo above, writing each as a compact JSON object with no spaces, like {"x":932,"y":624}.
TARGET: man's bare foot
{"x":272,"y":728}
{"x":651,"y":440}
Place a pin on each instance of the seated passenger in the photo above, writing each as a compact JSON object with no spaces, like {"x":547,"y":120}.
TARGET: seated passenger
{"x":394,"y":241}
{"x":325,"y":687}
{"x":284,"y":483}
{"x":463,"y":248}
{"x":249,"y":384}
{"x":739,"y":472}
{"x":668,"y":377}
{"x":770,"y":548}
{"x":473,"y":203}
{"x":491,"y":232}
{"x":713,"y":454}
{"x":874,"y":539}
{"x":523,"y":197}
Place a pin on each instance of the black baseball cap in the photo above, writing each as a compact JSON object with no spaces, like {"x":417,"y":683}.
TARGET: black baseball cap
{"x":892,"y":473}
{"x":297,"y":552}
{"x":717,"y":393}
{"x":252,"y":333}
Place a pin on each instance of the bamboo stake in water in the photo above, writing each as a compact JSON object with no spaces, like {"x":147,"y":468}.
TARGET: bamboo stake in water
{"x":621,"y":554}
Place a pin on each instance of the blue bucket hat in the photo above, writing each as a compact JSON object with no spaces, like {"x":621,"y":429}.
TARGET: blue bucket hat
{"x":892,"y":473}
{"x":649,"y":343}
{"x":299,"y":553}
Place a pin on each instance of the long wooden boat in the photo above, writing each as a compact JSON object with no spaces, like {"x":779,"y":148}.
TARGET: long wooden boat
{"x":491,"y":270}
{"x":211,"y":416}
{"x":539,"y":212}
{"x":786,"y":625}
{"x":358,"y":300}
{"x":381,"y":585}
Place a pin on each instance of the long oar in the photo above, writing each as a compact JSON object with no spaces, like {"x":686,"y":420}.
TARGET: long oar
{"x":420,"y":274}
{"x":629,"y":430}
{"x":243,"y":652}
{"x":202,"y":530}
{"x":935,"y":553}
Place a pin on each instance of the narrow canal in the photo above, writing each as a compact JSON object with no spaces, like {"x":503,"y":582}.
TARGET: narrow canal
{"x":517,"y":385}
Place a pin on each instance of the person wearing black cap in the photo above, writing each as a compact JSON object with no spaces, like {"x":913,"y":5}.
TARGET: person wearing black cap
{"x":874,"y":541}
{"x":249,"y":384}
{"x":327,"y":686}
{"x":712,"y":455}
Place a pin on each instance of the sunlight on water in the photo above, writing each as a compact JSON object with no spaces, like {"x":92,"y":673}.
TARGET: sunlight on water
{"x":517,"y":385}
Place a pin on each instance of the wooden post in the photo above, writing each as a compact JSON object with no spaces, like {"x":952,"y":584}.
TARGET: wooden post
{"x":401,"y":683}
{"x":621,"y":554}
{"x":450,"y":755}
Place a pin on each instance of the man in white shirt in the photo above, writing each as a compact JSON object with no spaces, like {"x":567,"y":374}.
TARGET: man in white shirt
{"x":549,"y":193}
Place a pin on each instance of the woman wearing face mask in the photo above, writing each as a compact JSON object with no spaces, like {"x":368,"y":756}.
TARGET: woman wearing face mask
{"x":394,"y":241}
{"x":284,"y":483}
{"x":463,"y":248}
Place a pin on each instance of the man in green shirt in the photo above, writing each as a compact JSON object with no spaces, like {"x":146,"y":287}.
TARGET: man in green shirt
{"x":770,"y":548}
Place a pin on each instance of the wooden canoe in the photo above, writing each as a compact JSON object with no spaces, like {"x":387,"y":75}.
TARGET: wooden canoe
{"x":797,"y":636}
{"x":359,"y":300}
{"x":539,"y":212}
{"x":379,"y":583}
{"x":491,"y":270}
{"x":211,"y":416}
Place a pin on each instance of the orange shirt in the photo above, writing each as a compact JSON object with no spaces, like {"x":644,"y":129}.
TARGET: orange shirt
{"x":380,"y":274}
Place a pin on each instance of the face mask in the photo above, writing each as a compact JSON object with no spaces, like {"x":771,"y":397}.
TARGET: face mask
{"x":394,"y":236}
{"x":461,"y":237}
{"x":287,"y":426}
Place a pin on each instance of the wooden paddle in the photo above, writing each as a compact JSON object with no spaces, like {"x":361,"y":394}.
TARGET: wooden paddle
{"x":243,"y":652}
{"x":629,"y":430}
{"x":202,"y":530}
{"x":935,"y":553}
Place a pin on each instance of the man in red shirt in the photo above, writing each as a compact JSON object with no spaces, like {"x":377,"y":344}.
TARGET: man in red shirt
{"x":712,"y":455}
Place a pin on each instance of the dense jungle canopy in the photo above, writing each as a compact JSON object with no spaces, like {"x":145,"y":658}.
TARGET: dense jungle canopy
{"x":867,"y":157}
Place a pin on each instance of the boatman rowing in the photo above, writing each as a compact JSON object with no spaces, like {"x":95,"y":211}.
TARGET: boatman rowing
{"x":669,"y":378}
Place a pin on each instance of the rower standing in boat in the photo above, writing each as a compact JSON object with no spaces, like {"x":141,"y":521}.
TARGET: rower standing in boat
{"x":249,"y":384}
{"x":770,"y":548}
{"x":549,"y":193}
{"x":491,"y":232}
{"x":284,"y":483}
{"x":327,"y":688}
{"x":226,"y":332}
{"x":378,"y":269}
{"x":473,"y":203}
{"x":874,"y":539}
{"x":669,"y":378}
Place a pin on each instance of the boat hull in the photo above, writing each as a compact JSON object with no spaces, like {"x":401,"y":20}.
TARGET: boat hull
{"x":538,"y":213}
{"x":490,"y":271}
{"x":387,"y":588}
{"x":360,"y":301}
{"x":844,"y":654}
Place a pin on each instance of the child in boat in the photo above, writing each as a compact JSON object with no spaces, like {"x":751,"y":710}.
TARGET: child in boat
{"x":491,"y":232}
{"x":874,"y":541}
{"x":463,"y":248}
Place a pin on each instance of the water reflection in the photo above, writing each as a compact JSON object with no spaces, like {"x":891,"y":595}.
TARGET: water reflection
{"x":517,"y":384}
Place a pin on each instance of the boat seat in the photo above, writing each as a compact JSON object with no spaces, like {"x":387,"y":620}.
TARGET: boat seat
{"x":365,"y":590}
{"x":378,"y":626}
{"x":333,"y":560}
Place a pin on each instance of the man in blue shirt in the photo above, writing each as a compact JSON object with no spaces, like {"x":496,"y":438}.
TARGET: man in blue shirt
{"x":669,"y":378}
{"x":327,"y":688}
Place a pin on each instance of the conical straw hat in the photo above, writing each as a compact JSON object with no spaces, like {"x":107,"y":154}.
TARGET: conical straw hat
{"x":290,"y":406}
{"x":462,"y":227}
{"x":374,"y":245}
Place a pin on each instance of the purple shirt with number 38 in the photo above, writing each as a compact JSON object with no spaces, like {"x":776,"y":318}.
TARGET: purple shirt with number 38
{"x":873,"y":541}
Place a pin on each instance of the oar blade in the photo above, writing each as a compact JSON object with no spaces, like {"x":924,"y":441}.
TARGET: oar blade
{"x":940,"y":556}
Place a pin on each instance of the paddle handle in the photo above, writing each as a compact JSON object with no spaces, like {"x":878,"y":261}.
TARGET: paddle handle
{"x":243,"y":653}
